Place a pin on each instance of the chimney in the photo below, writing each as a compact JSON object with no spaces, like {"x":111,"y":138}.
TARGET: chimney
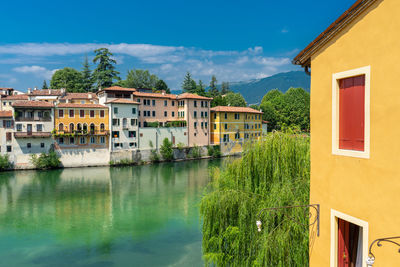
{"x":34,"y":89}
{"x":29,"y":90}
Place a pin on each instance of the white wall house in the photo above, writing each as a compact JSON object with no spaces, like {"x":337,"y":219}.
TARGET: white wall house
{"x":123,"y":116}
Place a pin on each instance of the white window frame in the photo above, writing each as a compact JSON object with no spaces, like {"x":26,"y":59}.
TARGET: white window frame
{"x":335,"y":215}
{"x":335,"y":112}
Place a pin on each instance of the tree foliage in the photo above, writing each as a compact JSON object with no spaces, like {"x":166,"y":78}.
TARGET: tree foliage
{"x":235,"y":100}
{"x":162,"y":86}
{"x":68,"y":78}
{"x":105,"y":72}
{"x":290,"y":109}
{"x":189,"y":85}
{"x":87,"y":78}
{"x":137,"y":78}
{"x":44,"y":86}
{"x":166,"y":150}
{"x":44,"y":161}
{"x":5,"y":163}
{"x":213,"y":90}
{"x":273,"y":172}
{"x":225,"y":88}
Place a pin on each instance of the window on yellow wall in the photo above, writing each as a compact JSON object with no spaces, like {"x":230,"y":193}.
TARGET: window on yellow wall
{"x":226,"y":126}
{"x":215,"y":126}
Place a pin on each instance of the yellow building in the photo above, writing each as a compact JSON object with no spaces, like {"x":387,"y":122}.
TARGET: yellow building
{"x":232,"y":127}
{"x":81,"y":126}
{"x":355,"y":110}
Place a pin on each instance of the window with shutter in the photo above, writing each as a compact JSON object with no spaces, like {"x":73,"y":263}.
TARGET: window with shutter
{"x":351,"y":113}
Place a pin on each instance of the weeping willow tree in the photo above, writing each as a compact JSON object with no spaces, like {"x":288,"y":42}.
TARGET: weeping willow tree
{"x":273,"y":172}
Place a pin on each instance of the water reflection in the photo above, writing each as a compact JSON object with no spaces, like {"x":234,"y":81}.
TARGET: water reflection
{"x":98,"y":216}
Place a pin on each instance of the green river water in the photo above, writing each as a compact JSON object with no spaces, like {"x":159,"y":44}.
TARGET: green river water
{"x":123,"y":216}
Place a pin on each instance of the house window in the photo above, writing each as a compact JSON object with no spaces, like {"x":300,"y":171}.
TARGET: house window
{"x":102,"y":127}
{"x":82,"y":140}
{"x":237,"y":135}
{"x":215,"y":116}
{"x":101,"y":113}
{"x":115,"y":122}
{"x":115,"y":110}
{"x":71,"y":113}
{"x":72,"y":140}
{"x":132,"y":134}
{"x":42,"y":145}
{"x":206,"y":103}
{"x":350,"y":113}
{"x":28,"y":145}
{"x":206,"y":114}
{"x":81,"y":113}
{"x":61,"y":140}
{"x":173,"y":103}
{"x":154,"y":113}
{"x":60,"y":113}
{"x":195,"y":103}
{"x":202,"y":114}
{"x":237,"y":116}
{"x":165,"y":114}
{"x":173,"y":113}
{"x":39,"y":127}
{"x":226,"y":116}
{"x":206,"y":124}
{"x":8,"y":124}
{"x":165,"y":103}
{"x":202,"y":104}
{"x":226,"y":138}
{"x":133,"y":122}
{"x":115,"y":134}
{"x":202,"y":125}
{"x":9,"y":148}
{"x":19,"y":127}
{"x":133,"y":144}
{"x":92,"y":140}
{"x":215,"y":126}
{"x":226,"y":126}
{"x":195,"y":125}
{"x":153,"y":102}
{"x":71,"y":127}
{"x":92,"y":114}
{"x":8,"y":137}
{"x":133,"y":111}
{"x":195,"y":114}
{"x":102,"y":139}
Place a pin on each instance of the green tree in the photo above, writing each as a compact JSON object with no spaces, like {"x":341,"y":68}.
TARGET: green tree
{"x":213,"y":87}
{"x":256,"y":107}
{"x":273,"y":172}
{"x":161,"y":85}
{"x":270,"y":115}
{"x":87,"y":78}
{"x":137,"y":78}
{"x":201,"y":90}
{"x":296,"y":108}
{"x":105,"y":72}
{"x":68,"y":78}
{"x":44,"y":86}
{"x":225,"y":88}
{"x":189,"y":85}
{"x":166,"y":150}
{"x":235,"y":100}
{"x":218,"y":101}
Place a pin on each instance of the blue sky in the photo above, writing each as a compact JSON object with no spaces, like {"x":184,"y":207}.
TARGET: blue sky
{"x":235,"y":40}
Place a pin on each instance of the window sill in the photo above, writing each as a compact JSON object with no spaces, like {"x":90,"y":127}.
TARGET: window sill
{"x":351,"y":153}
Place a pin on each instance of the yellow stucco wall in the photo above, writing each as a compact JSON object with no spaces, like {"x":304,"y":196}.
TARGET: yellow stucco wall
{"x":217,"y":129}
{"x":368,"y":189}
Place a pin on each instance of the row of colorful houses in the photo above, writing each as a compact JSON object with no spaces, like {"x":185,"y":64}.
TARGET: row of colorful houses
{"x":118,"y":119}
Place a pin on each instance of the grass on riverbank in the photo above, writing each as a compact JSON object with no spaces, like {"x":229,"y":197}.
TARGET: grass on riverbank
{"x":273,"y":172}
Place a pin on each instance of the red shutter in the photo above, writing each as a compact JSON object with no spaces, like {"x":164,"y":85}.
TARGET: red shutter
{"x":343,"y":243}
{"x":351,"y":113}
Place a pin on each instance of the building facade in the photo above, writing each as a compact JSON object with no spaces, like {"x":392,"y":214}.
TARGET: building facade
{"x":354,"y":137}
{"x":6,"y":132}
{"x":81,"y":126}
{"x":232,"y":127}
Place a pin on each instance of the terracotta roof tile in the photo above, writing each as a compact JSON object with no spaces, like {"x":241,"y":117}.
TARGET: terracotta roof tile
{"x":39,"y":104}
{"x":6,"y":114}
{"x":122,"y":101}
{"x":119,"y":88}
{"x":72,"y":105}
{"x":15,"y":97}
{"x":235,"y":109}
{"x":42,"y":92}
{"x":155,"y":95}
{"x":80,"y":96}
{"x":192,"y":96}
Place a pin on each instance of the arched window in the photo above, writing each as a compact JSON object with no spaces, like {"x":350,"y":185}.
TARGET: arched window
{"x":61,"y":127}
{"x":71,"y":127}
{"x":102,"y":127}
{"x":79,"y":127}
{"x":92,"y":128}
{"x":85,"y":127}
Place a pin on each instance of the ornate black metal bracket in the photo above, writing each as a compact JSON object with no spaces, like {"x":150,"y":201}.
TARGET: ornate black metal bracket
{"x":275,"y":209}
{"x":378,"y":242}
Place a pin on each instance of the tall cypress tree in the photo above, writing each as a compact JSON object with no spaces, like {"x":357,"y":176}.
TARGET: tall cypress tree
{"x":105,"y":72}
{"x":213,"y":87}
{"x":44,"y":86}
{"x":87,"y":79}
{"x":189,"y":85}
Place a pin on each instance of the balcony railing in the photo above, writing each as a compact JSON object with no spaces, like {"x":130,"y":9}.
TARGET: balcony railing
{"x":32,"y":134}
{"x":57,"y":133}
{"x":32,"y":118}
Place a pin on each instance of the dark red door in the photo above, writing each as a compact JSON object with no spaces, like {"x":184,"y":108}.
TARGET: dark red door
{"x":343,"y":244}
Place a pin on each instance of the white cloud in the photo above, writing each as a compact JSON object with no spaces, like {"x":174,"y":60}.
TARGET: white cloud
{"x":36,"y":70}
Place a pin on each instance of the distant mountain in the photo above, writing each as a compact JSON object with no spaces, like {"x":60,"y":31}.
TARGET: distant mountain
{"x":254,"y":90}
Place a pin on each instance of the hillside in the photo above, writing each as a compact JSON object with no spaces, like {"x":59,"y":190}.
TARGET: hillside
{"x":254,"y":90}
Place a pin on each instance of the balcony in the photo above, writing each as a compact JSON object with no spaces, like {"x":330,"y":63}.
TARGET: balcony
{"x":57,"y":133}
{"x":32,"y":134}
{"x":28,"y":119}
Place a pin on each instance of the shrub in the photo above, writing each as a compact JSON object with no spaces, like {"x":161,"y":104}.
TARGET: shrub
{"x":181,"y":146}
{"x":5,"y":163}
{"x":196,"y":152}
{"x":214,"y":151}
{"x":166,"y":150}
{"x":154,"y":156}
{"x":44,"y":161}
{"x":273,"y":172}
{"x":122,"y":162}
{"x":153,"y":124}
